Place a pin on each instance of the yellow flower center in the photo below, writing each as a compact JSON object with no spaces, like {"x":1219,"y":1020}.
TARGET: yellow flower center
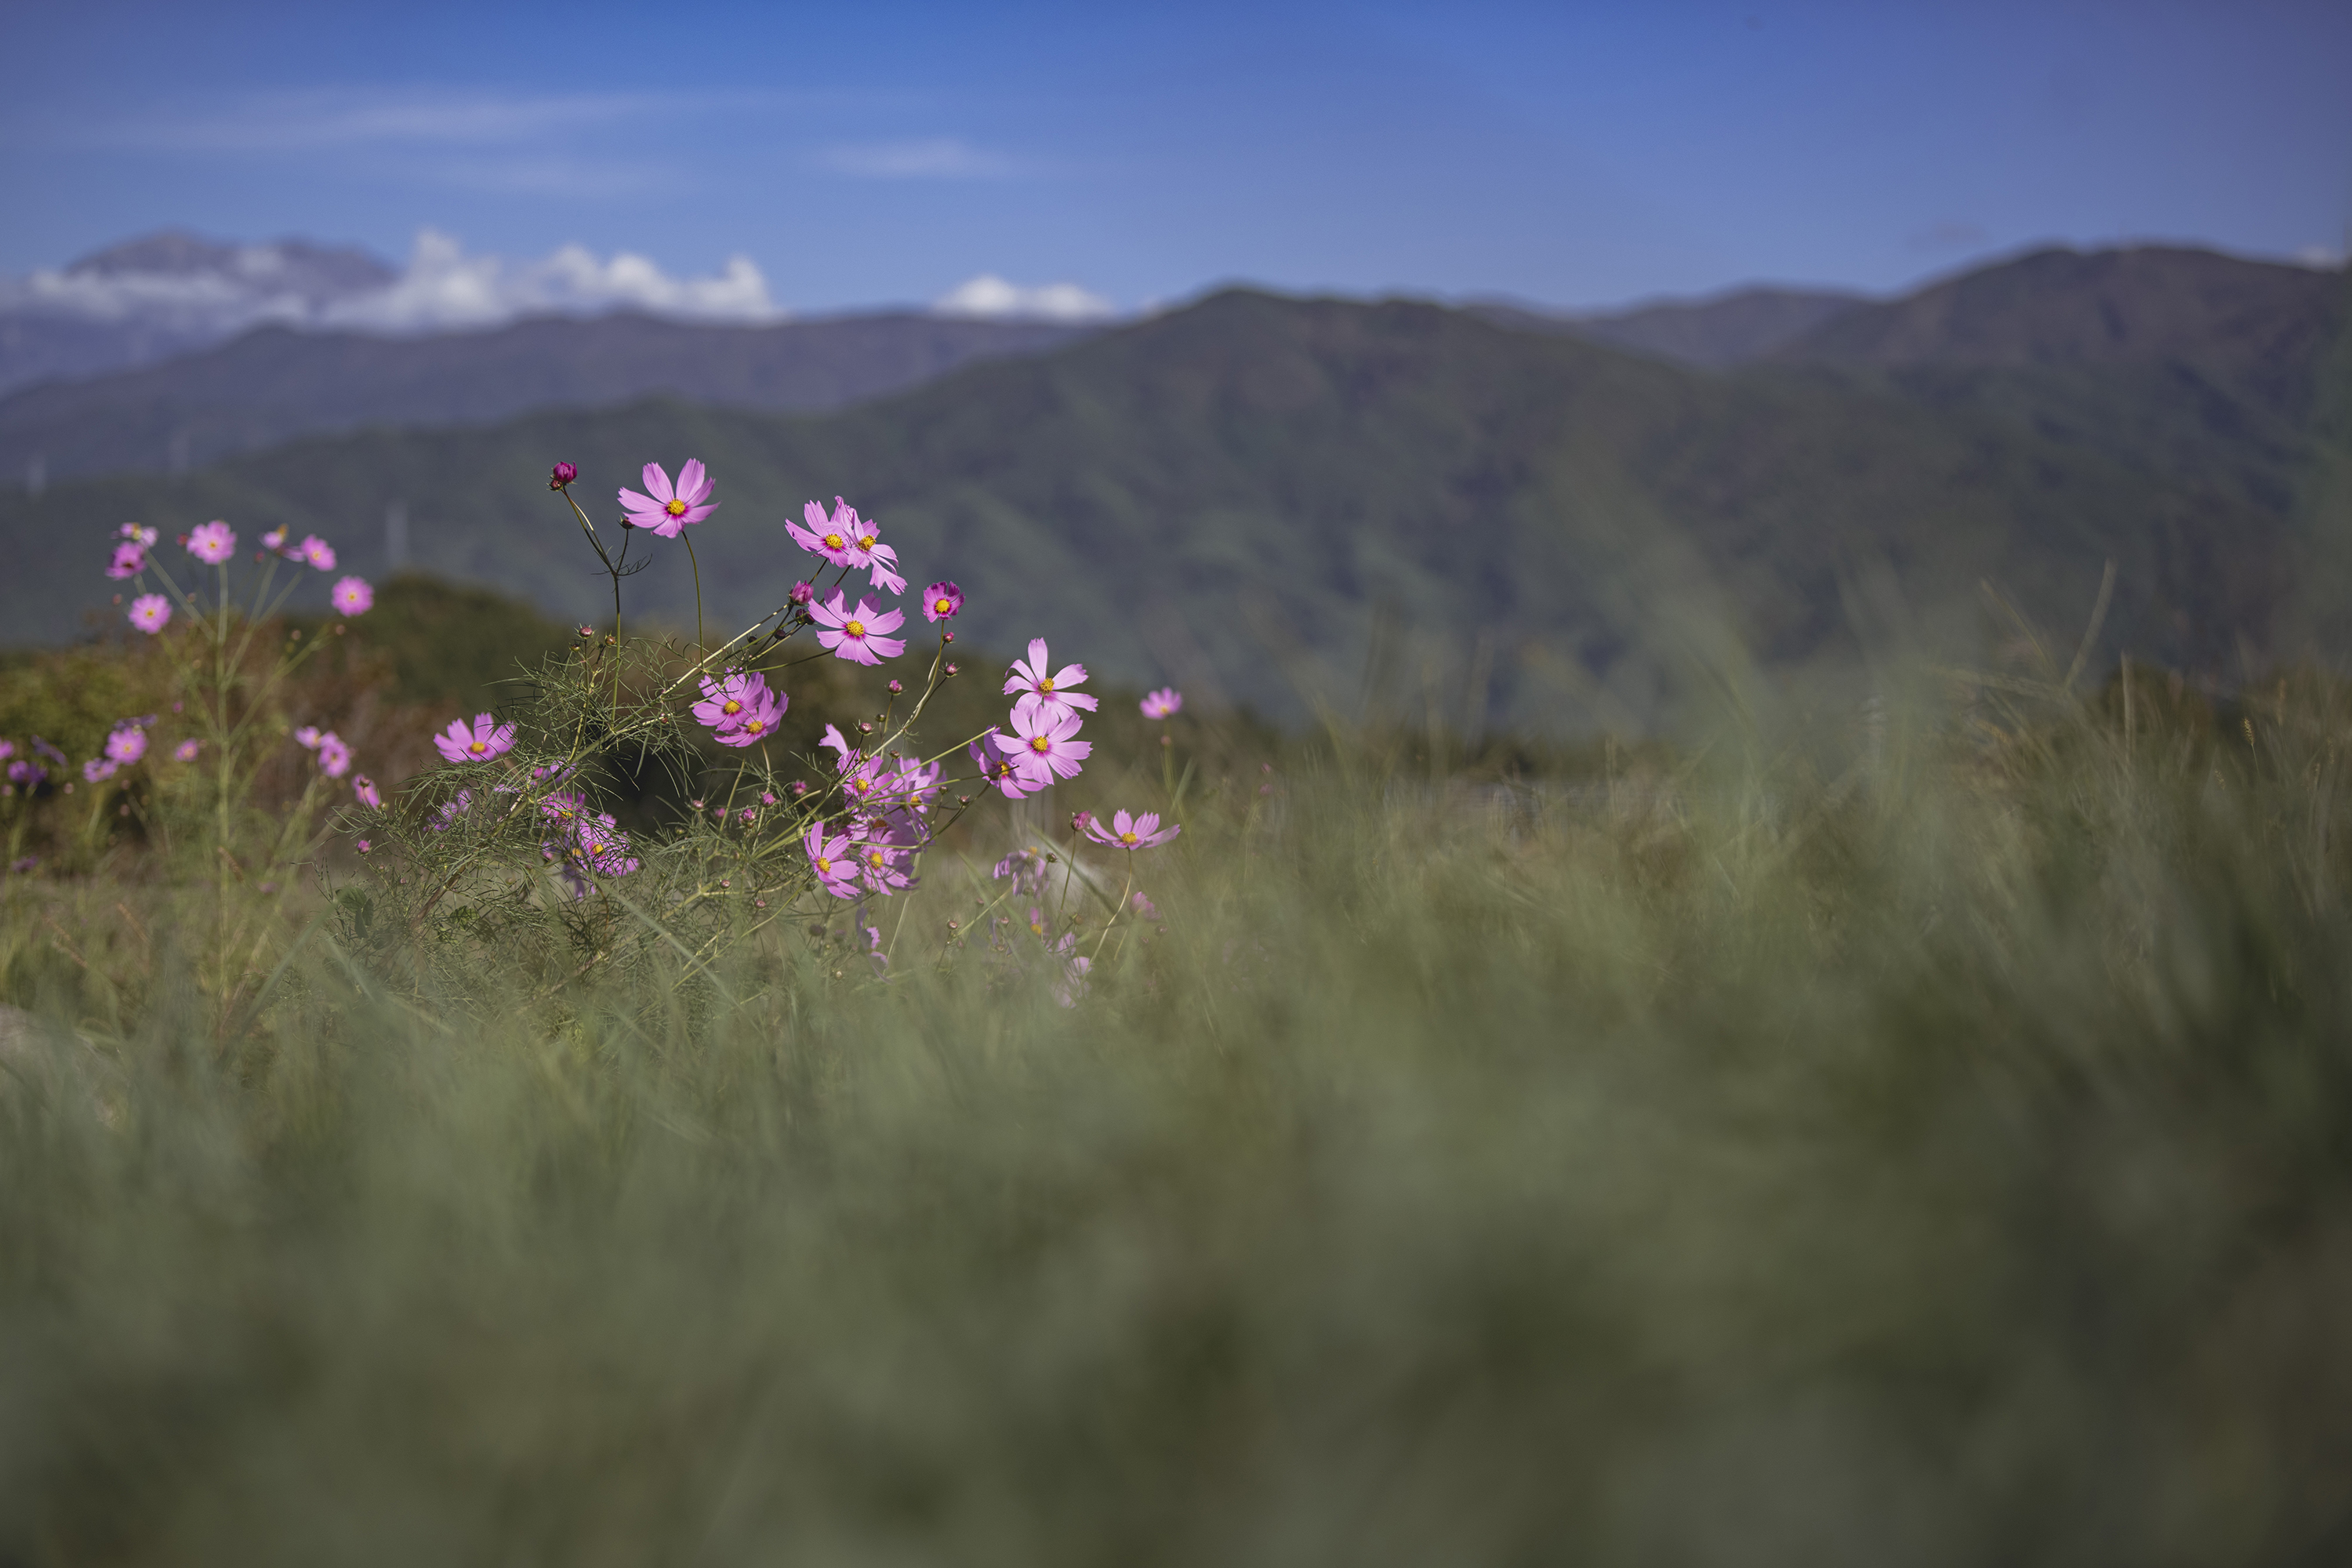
{"x":731,"y":707}
{"x":832,"y":541}
{"x":1039,"y":742}
{"x":856,"y":629}
{"x":1128,"y":838}
{"x":824,"y":866}
{"x":478,"y":747}
{"x":675,"y":509}
{"x":943,"y":606}
{"x":861,"y":785}
{"x":1046,"y":684}
{"x":874,"y":858}
{"x":865,"y":542}
{"x":754,"y":726}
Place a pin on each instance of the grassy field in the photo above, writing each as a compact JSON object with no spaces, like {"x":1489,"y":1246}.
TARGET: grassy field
{"x":1929,"y":1145}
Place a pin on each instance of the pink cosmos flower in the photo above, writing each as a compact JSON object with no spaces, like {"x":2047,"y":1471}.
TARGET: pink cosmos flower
{"x":855,"y":635}
{"x":97,"y":769}
{"x":128,"y":558}
{"x":127,"y":743}
{"x":486,"y":738}
{"x":143,"y":537}
{"x":880,"y":866}
{"x":757,"y":721}
{"x":352,"y":596}
{"x":1027,"y":870}
{"x":1162,"y":703}
{"x":1141,"y":832}
{"x":727,"y":699}
{"x":275,"y":540}
{"x":866,"y":549}
{"x":941,"y":601}
{"x":185,"y":751}
{"x":998,"y":769}
{"x":150,"y":613}
{"x":830,"y":859}
{"x":452,"y":811}
{"x":1044,"y":746}
{"x":363,"y":787}
{"x":603,"y":846}
{"x":334,"y":757}
{"x":315,"y":551}
{"x":834,"y":537}
{"x":667,"y":512}
{"x":307,"y":737}
{"x":1048,"y":691}
{"x":212,"y":542}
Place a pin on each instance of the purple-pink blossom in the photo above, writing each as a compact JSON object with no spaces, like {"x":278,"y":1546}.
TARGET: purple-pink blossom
{"x":364,"y":788}
{"x":562,"y":475}
{"x":307,"y":737}
{"x":144,"y":537}
{"x":841,"y":539}
{"x":998,"y":769}
{"x":212,"y":542}
{"x":667,"y":511}
{"x":185,"y":751}
{"x":830,"y":859}
{"x":1124,"y":832}
{"x":129,"y":557}
{"x":879,"y":866}
{"x":1045,"y":745}
{"x":1043,"y":687}
{"x":757,"y":721}
{"x":98,"y":769}
{"x":352,"y":597}
{"x":727,"y":699}
{"x":941,"y":601}
{"x":1027,"y":870}
{"x":1163,"y":703}
{"x":334,"y":756}
{"x":487,"y":738}
{"x":316,"y":552}
{"x":150,"y":613}
{"x":603,"y":846}
{"x":867,"y":549}
{"x":127,"y":743}
{"x":856,"y":635}
{"x":452,"y":811}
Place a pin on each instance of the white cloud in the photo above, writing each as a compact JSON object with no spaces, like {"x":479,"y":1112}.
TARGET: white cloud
{"x":929,"y":158}
{"x":444,"y":287}
{"x":990,"y":295}
{"x":441,"y":289}
{"x":2325,"y":257}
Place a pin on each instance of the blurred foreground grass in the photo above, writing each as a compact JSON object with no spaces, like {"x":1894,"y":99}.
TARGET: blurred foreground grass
{"x":1942,"y":1160}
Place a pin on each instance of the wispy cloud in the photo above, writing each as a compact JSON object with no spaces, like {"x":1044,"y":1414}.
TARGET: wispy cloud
{"x":921,"y":158}
{"x":990,"y":295}
{"x":344,"y":119}
{"x":441,"y":289}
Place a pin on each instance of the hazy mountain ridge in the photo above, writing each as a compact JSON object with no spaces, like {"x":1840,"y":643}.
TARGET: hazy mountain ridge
{"x":275,"y":384}
{"x":1213,"y":494}
{"x":1718,"y":331}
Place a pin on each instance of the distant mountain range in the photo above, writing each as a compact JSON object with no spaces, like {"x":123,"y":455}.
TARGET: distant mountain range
{"x":276,"y":383}
{"x":1234,"y":494}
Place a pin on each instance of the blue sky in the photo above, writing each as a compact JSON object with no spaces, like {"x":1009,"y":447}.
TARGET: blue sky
{"x":1571,"y":154}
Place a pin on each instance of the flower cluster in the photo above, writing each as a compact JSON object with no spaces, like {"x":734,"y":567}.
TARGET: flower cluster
{"x":215,"y":545}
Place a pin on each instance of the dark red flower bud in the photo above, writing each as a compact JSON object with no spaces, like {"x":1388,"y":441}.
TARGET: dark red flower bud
{"x":564,"y":474}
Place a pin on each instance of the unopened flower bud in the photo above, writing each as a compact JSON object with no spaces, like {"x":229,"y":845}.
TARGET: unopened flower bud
{"x":1081,"y":820}
{"x":587,"y":631}
{"x":946,"y":636}
{"x":895,"y":688}
{"x":803,"y":593}
{"x":800,"y":787}
{"x":952,"y":670}
{"x":564,"y":474}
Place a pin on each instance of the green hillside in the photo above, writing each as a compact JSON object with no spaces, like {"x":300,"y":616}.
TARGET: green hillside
{"x":1230,"y":495}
